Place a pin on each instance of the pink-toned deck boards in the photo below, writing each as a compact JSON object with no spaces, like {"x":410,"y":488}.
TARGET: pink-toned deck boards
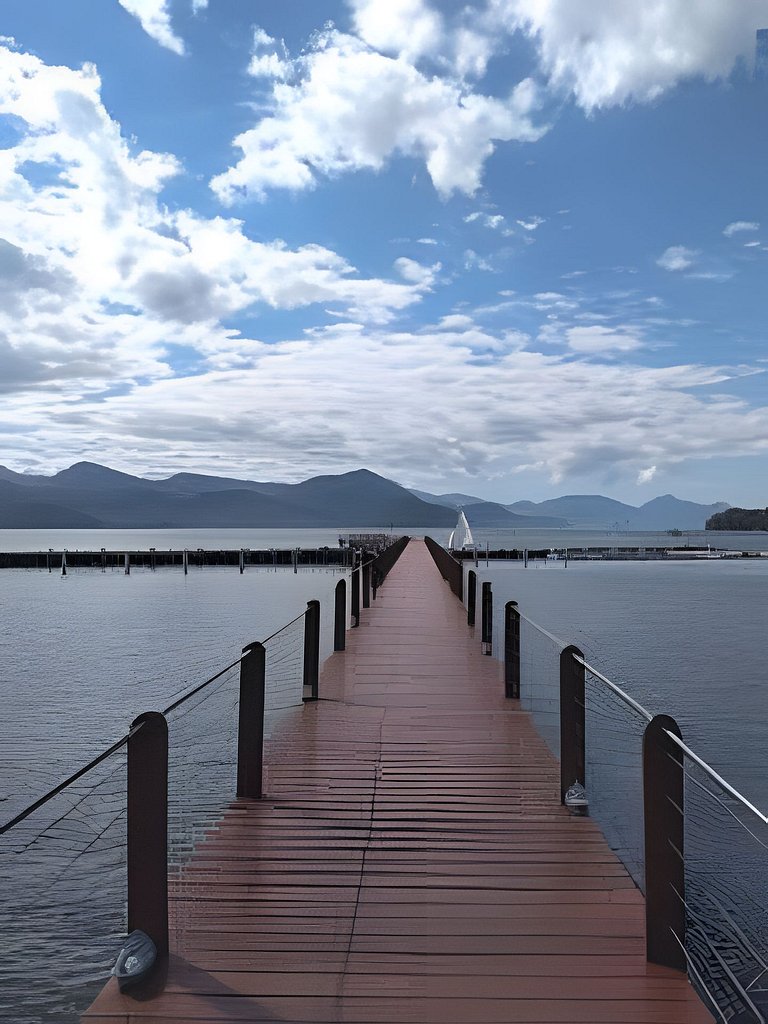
{"x":410,"y":861}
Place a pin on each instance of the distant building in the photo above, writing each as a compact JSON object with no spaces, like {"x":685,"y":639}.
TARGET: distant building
{"x":761,"y":54}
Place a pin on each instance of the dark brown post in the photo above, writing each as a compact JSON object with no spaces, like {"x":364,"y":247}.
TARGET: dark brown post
{"x":486,"y":619}
{"x":471,"y":596}
{"x":355,"y":594}
{"x":340,"y":616}
{"x":664,"y":851}
{"x":148,"y":828}
{"x":250,"y":728}
{"x":511,"y":650}
{"x":311,"y":650}
{"x":367,"y":585}
{"x":572,"y":758}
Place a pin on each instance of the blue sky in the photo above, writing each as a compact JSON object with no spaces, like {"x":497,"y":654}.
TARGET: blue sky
{"x":510,"y":248}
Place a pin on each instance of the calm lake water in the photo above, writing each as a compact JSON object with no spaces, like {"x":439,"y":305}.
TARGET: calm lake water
{"x":81,"y":656}
{"x":216,"y":539}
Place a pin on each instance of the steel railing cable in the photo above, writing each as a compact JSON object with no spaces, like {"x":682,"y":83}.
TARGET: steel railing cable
{"x":69,"y":781}
{"x":60,"y":787}
{"x":545,"y":632}
{"x":710,"y":771}
{"x":631,"y":702}
{"x":699,"y":978}
{"x":287,"y":624}
{"x":616,"y":689}
{"x":201,"y":686}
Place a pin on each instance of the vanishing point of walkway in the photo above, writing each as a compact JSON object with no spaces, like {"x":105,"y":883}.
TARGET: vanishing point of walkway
{"x":410,"y":861}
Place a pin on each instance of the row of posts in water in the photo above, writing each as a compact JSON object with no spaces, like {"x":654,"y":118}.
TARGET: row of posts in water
{"x":153,"y":559}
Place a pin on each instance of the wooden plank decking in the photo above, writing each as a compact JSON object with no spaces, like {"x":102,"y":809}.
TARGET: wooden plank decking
{"x":411,"y":861}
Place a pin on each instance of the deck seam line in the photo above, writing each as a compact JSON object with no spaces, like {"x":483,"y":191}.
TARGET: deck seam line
{"x":377,"y":767}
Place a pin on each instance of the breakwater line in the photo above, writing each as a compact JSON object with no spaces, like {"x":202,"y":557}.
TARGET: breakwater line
{"x":361,"y":546}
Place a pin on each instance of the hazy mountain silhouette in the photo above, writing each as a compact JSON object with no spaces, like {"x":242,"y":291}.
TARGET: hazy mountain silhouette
{"x":89,"y":495}
{"x":594,"y":511}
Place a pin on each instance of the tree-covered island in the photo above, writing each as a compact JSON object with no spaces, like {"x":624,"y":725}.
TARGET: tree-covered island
{"x":737,"y":519}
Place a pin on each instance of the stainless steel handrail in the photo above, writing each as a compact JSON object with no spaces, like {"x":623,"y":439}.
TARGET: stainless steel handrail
{"x":545,"y":632}
{"x":710,"y":771}
{"x":616,"y":689}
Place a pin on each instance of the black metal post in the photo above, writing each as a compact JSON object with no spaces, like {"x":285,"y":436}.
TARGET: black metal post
{"x":367,"y":585}
{"x":311,"y":650}
{"x":471,"y":596}
{"x":355,"y":593}
{"x":511,"y":650}
{"x":148,"y":828}
{"x":486,"y":619}
{"x":572,"y":754}
{"x":250,"y":729}
{"x":663,"y":798}
{"x":340,"y":616}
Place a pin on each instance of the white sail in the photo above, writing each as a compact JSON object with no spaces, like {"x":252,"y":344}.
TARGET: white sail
{"x":461,"y":535}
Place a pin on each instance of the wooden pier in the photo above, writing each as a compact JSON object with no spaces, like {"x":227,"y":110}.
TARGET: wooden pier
{"x":411,"y":861}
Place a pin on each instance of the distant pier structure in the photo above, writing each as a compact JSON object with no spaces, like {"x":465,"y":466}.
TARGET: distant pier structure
{"x":761,"y":54}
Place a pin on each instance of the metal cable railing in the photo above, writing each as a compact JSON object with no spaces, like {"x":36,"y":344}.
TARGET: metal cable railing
{"x":66,"y":856}
{"x":720,"y":885}
{"x":660,"y":818}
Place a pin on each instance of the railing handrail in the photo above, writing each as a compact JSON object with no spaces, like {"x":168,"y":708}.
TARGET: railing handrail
{"x":645,"y":713}
{"x":616,"y":689}
{"x":60,"y":787}
{"x":709,"y":770}
{"x":68,"y":782}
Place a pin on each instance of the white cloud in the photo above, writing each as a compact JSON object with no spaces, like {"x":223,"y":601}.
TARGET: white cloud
{"x":646,"y":475}
{"x":473,"y":261}
{"x":677,"y":257}
{"x":262,"y":39}
{"x":415,"y":272}
{"x":97,"y":276}
{"x":509,"y":407}
{"x":155,"y":19}
{"x":531,"y":224}
{"x":408,"y":28}
{"x":351,"y":108}
{"x":740,"y":225}
{"x":607,"y":52}
{"x":268,"y":65}
{"x":597,"y":340}
{"x":427,"y":241}
{"x":492,"y":221}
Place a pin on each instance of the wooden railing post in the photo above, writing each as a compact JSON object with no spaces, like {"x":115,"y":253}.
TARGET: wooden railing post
{"x":572,"y":754}
{"x":471,"y":596}
{"x":486,"y":619}
{"x":355,"y":584}
{"x":511,"y":650}
{"x":250,"y":730}
{"x":147,"y":838}
{"x":340,"y":616}
{"x":311,"y":650}
{"x":663,"y":796}
{"x":367,"y":584}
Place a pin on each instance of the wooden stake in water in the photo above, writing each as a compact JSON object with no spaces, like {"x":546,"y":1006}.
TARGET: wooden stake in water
{"x":127,"y":564}
{"x":63,"y":563}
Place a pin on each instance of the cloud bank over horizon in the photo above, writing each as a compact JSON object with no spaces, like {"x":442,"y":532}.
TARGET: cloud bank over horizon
{"x":157,"y":316}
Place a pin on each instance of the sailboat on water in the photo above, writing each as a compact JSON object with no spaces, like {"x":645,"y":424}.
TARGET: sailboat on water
{"x":461,"y":535}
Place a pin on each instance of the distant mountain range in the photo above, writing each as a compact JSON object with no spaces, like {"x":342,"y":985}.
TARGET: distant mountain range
{"x":592,"y":511}
{"x":89,"y":496}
